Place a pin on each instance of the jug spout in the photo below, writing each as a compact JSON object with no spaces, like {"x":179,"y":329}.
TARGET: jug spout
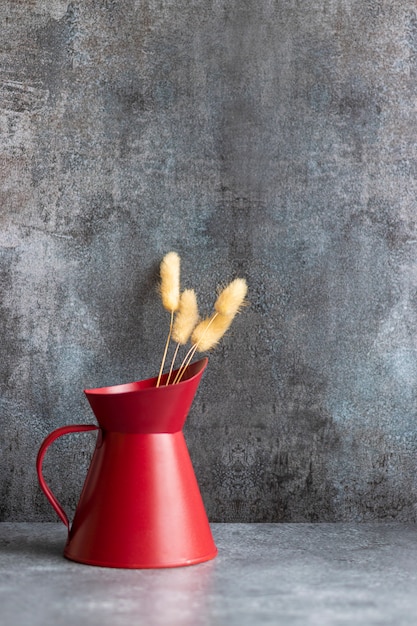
{"x":141,"y":407}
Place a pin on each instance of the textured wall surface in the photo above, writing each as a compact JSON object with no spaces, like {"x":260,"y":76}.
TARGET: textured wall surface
{"x":271,"y":139}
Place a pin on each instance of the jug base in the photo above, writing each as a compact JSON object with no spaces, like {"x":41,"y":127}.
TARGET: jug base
{"x":150,"y":565}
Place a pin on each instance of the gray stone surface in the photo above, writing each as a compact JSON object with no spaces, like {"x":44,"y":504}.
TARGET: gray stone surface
{"x":270,"y":139}
{"x":286,"y":574}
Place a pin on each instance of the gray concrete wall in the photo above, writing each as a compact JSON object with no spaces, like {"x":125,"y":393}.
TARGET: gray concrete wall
{"x":271,"y":139}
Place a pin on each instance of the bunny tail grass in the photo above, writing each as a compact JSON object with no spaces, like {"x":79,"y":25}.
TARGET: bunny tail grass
{"x":231,"y":298}
{"x":170,"y":294}
{"x":207,"y":333}
{"x":186,"y":318}
{"x":204,"y":338}
{"x":185,"y":322}
{"x":170,"y":281}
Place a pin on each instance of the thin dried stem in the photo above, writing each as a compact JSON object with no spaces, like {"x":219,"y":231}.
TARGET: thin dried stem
{"x":166,"y":349}
{"x":172,"y":363}
{"x":186,"y":362}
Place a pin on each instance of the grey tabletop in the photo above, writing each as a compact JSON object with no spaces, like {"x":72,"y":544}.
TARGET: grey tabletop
{"x":283,"y":574}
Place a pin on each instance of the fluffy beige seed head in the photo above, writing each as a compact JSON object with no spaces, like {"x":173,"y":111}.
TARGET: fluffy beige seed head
{"x":186,"y":318}
{"x":170,"y":281}
{"x":231,"y":298}
{"x":208,"y":333}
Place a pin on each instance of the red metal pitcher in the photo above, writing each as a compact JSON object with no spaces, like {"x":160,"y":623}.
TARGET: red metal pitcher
{"x":140,"y":506}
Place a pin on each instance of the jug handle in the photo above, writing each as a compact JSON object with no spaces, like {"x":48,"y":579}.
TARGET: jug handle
{"x":64,"y":430}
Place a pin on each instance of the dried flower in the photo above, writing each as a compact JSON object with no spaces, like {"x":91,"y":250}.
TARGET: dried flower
{"x":170,"y":281}
{"x":231,"y":298}
{"x":170,"y":293}
{"x":204,"y":335}
{"x":186,"y":317}
{"x":209,"y":332}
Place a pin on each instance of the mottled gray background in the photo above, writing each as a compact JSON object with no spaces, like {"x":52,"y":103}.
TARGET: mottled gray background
{"x":270,"y":139}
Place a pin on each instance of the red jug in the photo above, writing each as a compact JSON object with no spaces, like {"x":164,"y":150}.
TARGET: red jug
{"x":140,"y":506}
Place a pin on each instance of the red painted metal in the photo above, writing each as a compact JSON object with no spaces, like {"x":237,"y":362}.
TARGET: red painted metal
{"x":64,"y":430}
{"x":140,"y":506}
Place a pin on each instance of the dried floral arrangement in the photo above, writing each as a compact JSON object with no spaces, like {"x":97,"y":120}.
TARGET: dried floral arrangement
{"x":185,"y":324}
